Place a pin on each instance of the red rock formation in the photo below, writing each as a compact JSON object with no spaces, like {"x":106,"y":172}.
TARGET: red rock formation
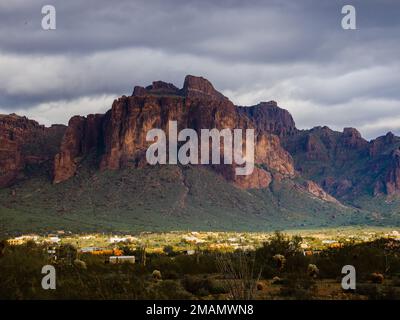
{"x":344,"y":163}
{"x":198,"y":87}
{"x":24,"y":142}
{"x":352,"y":139}
{"x":122,"y":130}
{"x":81,"y":137}
{"x":377,"y":146}
{"x":270,"y":118}
{"x":317,"y":191}
{"x":392,"y":181}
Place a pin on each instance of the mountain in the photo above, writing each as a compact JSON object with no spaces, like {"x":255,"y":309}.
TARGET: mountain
{"x":346,"y":165}
{"x":93,"y":174}
{"x":24,"y":142}
{"x":119,"y":137}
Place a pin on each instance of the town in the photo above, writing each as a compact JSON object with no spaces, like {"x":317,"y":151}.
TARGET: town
{"x":295,"y":264}
{"x":188,"y":243}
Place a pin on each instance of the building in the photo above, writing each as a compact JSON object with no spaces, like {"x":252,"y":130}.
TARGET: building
{"x":16,"y":241}
{"x":23,"y":239}
{"x":329,"y":241}
{"x":90,"y":249}
{"x":191,"y":239}
{"x":122,"y":259}
{"x":54,"y":239}
{"x":118,"y":239}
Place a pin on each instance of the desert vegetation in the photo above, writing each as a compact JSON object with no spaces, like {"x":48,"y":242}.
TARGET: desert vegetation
{"x":278,"y":268}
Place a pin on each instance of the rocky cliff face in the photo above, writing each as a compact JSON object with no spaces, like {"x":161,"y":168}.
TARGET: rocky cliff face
{"x":392,"y":178}
{"x":269,"y":117}
{"x":120,"y":134}
{"x":342,"y":164}
{"x":345,"y":164}
{"x":82,"y":136}
{"x":316,"y":190}
{"x":24,"y":142}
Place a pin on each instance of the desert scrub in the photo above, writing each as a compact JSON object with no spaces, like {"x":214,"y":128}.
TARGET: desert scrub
{"x":202,"y":285}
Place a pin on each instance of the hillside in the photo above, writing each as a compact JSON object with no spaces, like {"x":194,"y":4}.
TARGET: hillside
{"x":160,"y":199}
{"x":93,"y":176}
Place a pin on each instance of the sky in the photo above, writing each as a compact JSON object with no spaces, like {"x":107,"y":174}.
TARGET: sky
{"x":293,"y":52}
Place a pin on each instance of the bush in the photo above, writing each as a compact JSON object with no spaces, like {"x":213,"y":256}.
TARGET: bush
{"x":202,"y":286}
{"x":377,"y":278}
{"x":300,"y":288}
{"x":312,"y":270}
{"x":169,"y":290}
{"x":171,"y":275}
{"x":156,"y":274}
{"x":274,"y":255}
{"x":277,"y":280}
{"x":80,"y":264}
{"x":378,"y":292}
{"x":168,"y":250}
{"x":3,"y":244}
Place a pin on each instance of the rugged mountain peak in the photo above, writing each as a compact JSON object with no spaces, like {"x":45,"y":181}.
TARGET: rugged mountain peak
{"x":352,"y":138}
{"x":321,"y":130}
{"x":193,"y":87}
{"x":389,"y":137}
{"x":351,"y":132}
{"x":22,"y":142}
{"x":378,"y":145}
{"x":81,"y":137}
{"x":161,"y":85}
{"x":270,"y":118}
{"x":119,"y":136}
{"x":271,"y":103}
{"x":156,"y":88}
{"x":392,"y":181}
{"x":199,"y":87}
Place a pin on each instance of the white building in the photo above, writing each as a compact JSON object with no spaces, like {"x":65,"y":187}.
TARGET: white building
{"x":122,"y":259}
{"x":90,"y":249}
{"x":329,"y":241}
{"x":53,"y":239}
{"x":117,"y":239}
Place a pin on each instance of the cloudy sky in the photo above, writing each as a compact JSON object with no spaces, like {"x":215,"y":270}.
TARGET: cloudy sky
{"x":294,"y":52}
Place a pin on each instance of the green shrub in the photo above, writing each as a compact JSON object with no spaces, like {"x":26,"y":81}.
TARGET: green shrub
{"x":202,"y":286}
{"x":169,"y":290}
{"x":299,"y":288}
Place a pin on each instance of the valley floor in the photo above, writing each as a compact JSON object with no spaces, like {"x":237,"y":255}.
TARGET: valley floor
{"x":298,"y":264}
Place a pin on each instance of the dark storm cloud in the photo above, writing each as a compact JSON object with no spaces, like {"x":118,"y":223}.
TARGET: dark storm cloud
{"x":293,"y":51}
{"x":250,"y":31}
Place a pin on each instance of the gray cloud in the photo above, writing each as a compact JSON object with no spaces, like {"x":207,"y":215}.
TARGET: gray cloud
{"x":294,"y":52}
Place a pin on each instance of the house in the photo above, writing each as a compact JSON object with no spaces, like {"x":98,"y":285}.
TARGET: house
{"x":54,"y":239}
{"x":248,"y":248}
{"x":304,"y":246}
{"x":22,"y":239}
{"x":329,"y":241}
{"x":122,"y":259}
{"x":90,"y":249}
{"x":16,"y":241}
{"x":192,"y":239}
{"x":88,"y":237}
{"x":117,"y":239}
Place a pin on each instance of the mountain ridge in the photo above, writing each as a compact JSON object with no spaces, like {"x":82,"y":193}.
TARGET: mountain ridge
{"x":338,"y":174}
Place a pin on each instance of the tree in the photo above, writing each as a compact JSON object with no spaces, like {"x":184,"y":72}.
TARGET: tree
{"x":238,"y":268}
{"x":168,"y":250}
